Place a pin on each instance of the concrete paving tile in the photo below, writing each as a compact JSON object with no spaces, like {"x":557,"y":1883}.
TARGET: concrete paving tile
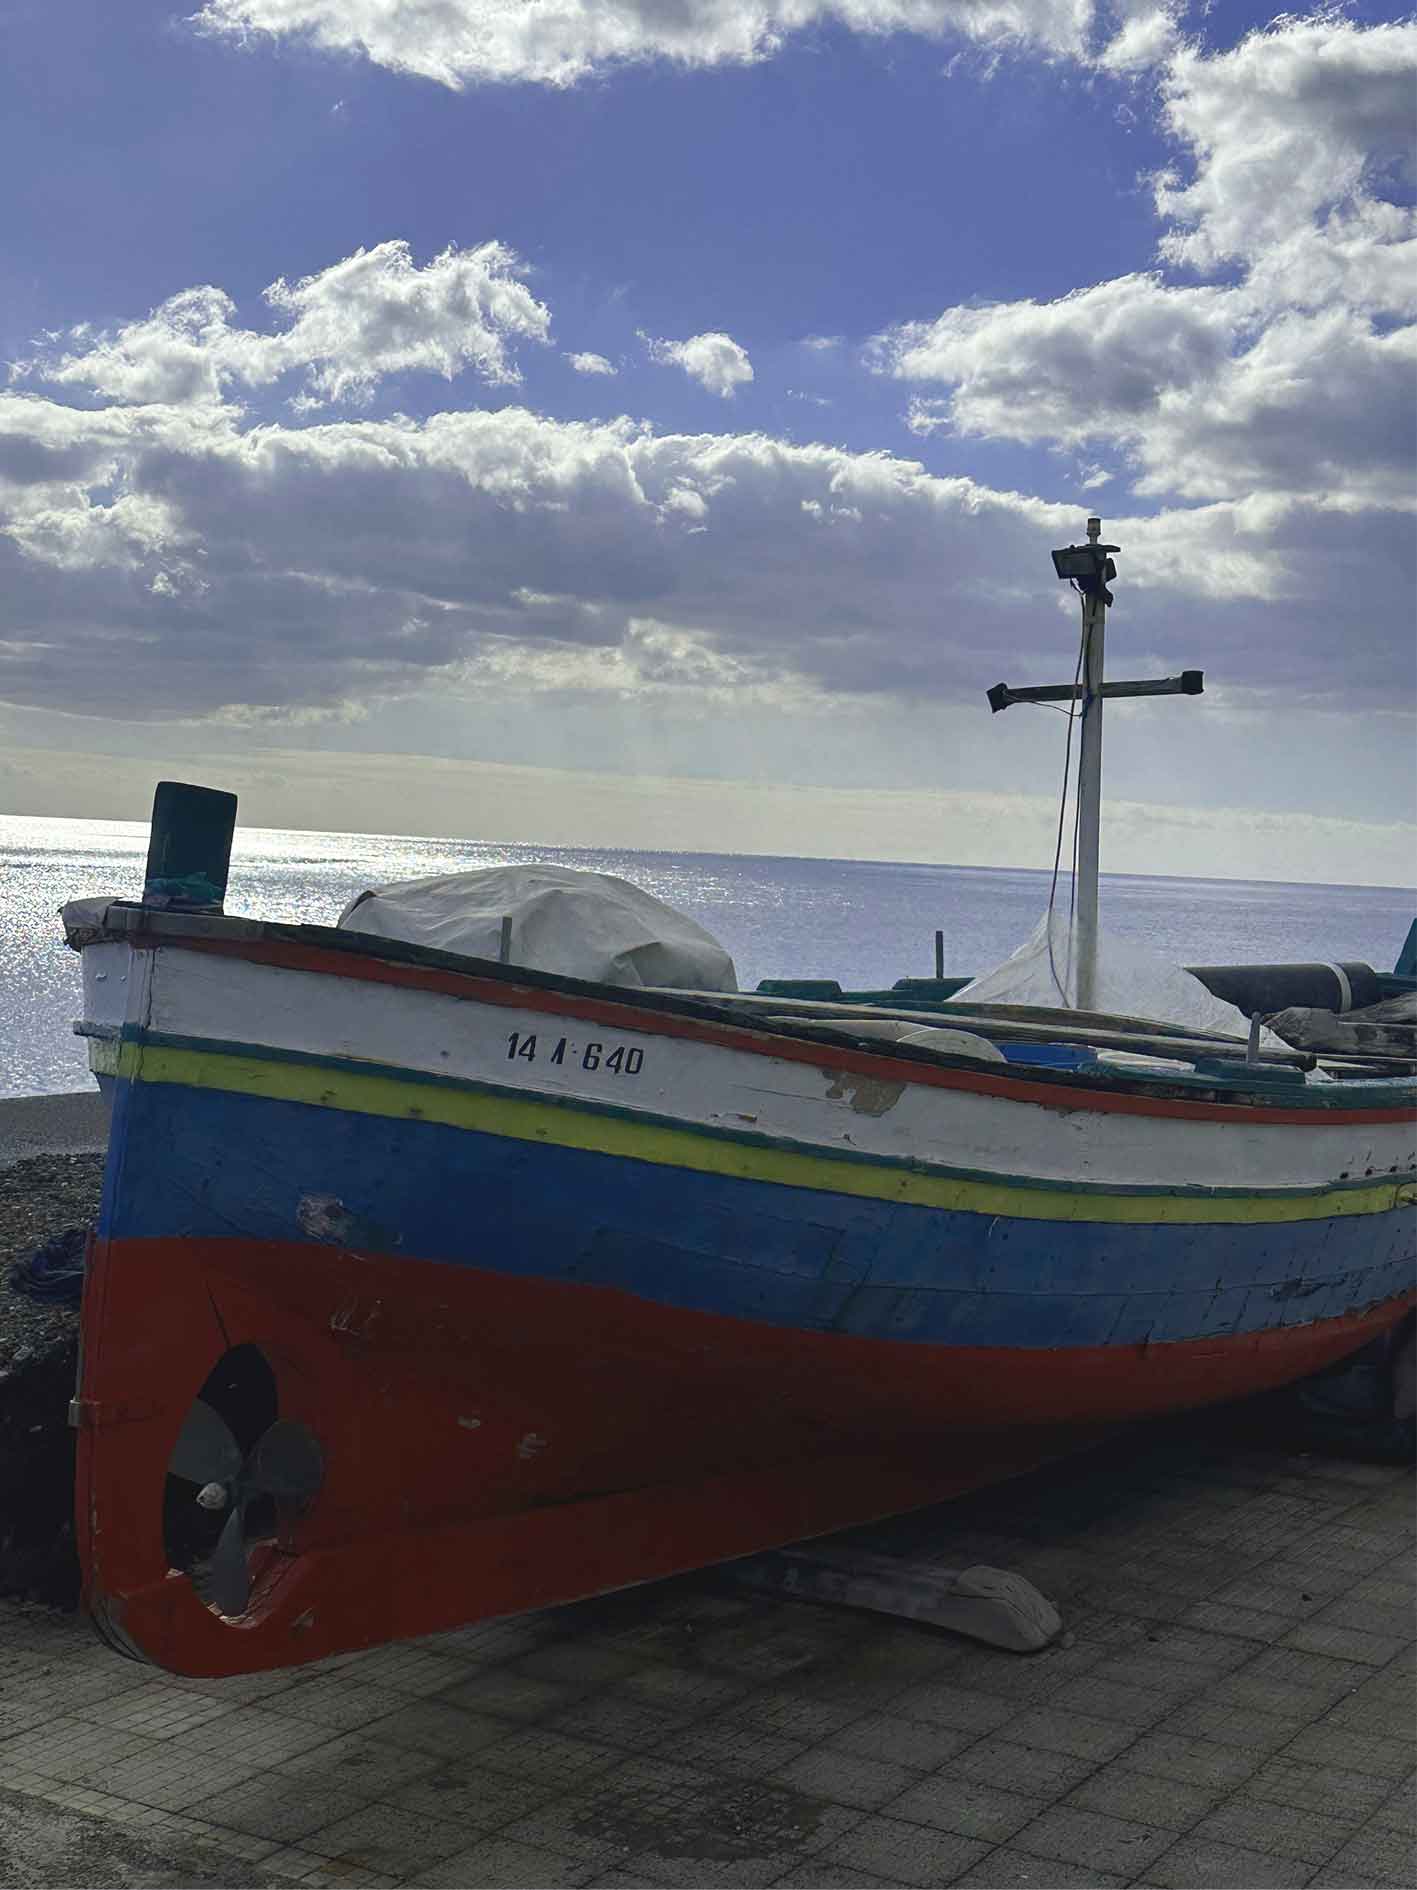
{"x":1230,"y":1725}
{"x":72,"y":1750}
{"x":682,"y":1827}
{"x":503,"y":1864}
{"x":510,"y":1695}
{"x":1341,"y":1746}
{"x":540,"y":1754}
{"x":1226,"y":1618}
{"x":1040,"y":1676}
{"x":250,"y":1733}
{"x":334,"y":1701}
{"x":345,"y":1877}
{"x":1379,"y":1855}
{"x":1278,"y":1690}
{"x":18,"y":1718}
{"x":682,"y":1690}
{"x":155,"y":1709}
{"x":896,"y":1740}
{"x":1398,"y":1811}
{"x":1057,"y":1729}
{"x":1345,"y":1795}
{"x":1278,"y":1830}
{"x":242,"y":1689}
{"x":845,"y":1778}
{"x":728,"y":1747}
{"x":472,"y":1795}
{"x":282,"y":1810}
{"x":905,"y":1853}
{"x":1203,"y":1864}
{"x":415,"y":1670}
{"x":1146,"y":1799}
{"x":820,"y":1874}
{"x":387,"y":1838}
{"x":173,"y":1780}
{"x":1383,"y":1709}
{"x":791,"y":1716}
{"x":1092,"y":1839}
{"x":1007,"y":1866}
{"x":1262,"y":1594}
{"x":939,"y":1703}
{"x":1345,"y":1642}
{"x":626,"y":1724}
{"x":577,"y":1664}
{"x":71,"y":1685}
{"x":430,"y":1726}
{"x":967,"y":1807}
{"x":1028,"y":1769}
{"x":352,"y":1762}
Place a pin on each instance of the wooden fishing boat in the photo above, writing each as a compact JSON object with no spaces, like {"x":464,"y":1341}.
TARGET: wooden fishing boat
{"x":507,"y":1289}
{"x":429,"y":1288}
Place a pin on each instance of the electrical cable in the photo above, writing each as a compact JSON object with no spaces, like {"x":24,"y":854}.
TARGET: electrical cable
{"x":1062,"y":817}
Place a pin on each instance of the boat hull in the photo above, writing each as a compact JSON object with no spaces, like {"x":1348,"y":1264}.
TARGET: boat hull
{"x":556,"y":1341}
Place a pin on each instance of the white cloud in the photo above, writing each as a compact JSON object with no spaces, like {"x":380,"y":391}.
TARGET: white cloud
{"x":169,"y":561}
{"x":1068,"y":369}
{"x":557,"y":42}
{"x":591,"y":364}
{"x":373,"y":314}
{"x":1307,"y":118}
{"x":1294,"y":375}
{"x":714,"y":360}
{"x":1146,"y":32}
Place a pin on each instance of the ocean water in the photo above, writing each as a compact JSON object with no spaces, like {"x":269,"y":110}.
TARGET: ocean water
{"x":864,"y":922}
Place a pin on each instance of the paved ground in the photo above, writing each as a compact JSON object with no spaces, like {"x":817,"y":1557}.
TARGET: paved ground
{"x":1233,"y":1706}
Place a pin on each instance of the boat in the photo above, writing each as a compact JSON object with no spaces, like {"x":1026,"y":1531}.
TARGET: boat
{"x":429,"y":1287}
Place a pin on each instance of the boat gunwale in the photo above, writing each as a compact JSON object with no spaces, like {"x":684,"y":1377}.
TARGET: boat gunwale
{"x":328,"y":951}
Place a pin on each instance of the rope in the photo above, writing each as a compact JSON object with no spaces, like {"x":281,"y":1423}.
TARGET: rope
{"x":1062,"y":817}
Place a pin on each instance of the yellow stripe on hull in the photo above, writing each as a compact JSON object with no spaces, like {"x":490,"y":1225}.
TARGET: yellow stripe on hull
{"x":567,"y":1126}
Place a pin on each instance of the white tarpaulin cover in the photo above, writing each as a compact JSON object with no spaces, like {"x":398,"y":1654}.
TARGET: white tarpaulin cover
{"x":1131,"y":982}
{"x":582,"y":925}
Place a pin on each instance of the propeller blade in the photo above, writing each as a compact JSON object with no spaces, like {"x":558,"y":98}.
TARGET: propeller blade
{"x":287,"y":1463}
{"x":205,"y":1451}
{"x":227,"y":1583}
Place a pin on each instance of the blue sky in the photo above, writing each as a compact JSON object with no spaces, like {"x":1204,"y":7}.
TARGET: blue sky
{"x":879,"y":317}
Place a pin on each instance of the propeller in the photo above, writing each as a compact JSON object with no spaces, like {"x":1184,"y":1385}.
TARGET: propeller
{"x":285,"y":1464}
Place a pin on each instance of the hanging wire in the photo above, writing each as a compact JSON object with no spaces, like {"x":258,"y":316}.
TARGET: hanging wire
{"x":1062,"y":817}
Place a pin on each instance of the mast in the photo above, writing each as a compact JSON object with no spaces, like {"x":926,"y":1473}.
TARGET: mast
{"x":1094,"y":632}
{"x":1089,"y":568}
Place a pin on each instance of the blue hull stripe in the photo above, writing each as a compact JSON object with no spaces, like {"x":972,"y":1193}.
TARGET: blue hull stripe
{"x":203,"y":1164}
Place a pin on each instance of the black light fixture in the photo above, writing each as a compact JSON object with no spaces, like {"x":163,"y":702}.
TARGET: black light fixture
{"x":1087,"y":566}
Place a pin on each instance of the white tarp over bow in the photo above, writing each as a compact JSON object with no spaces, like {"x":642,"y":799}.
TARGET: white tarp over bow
{"x":582,"y":925}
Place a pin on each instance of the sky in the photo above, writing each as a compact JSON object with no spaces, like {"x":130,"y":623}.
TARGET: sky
{"x":646,"y":422}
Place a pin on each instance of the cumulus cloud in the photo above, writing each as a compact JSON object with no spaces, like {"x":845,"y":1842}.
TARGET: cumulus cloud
{"x":1303,"y":120}
{"x":714,"y":360}
{"x":167,"y":559}
{"x":371,"y":315}
{"x":1069,"y":369}
{"x":557,"y":42}
{"x":1294,"y":373}
{"x":587,"y":363}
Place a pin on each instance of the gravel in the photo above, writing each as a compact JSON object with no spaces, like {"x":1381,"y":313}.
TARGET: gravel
{"x":39,"y":1197}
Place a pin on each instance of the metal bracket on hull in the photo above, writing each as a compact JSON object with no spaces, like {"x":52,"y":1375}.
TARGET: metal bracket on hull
{"x":987,"y":1604}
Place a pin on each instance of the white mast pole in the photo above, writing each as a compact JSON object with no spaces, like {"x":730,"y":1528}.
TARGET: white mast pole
{"x":1094,"y":623}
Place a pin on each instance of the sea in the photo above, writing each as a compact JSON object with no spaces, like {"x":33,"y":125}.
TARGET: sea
{"x":864,"y":922}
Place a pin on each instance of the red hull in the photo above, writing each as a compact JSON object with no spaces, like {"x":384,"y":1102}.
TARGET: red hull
{"x":494,"y":1445}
